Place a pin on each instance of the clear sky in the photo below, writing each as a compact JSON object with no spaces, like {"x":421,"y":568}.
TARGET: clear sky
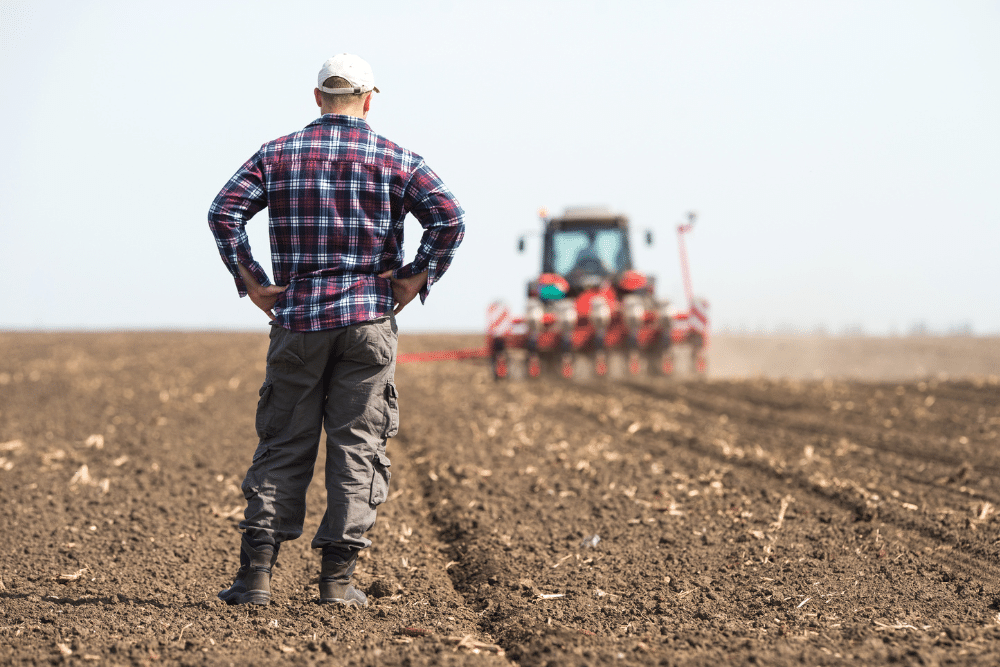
{"x":843,"y":157}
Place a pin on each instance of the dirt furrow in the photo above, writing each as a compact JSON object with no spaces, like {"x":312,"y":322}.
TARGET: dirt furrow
{"x":786,"y":461}
{"x":797,"y":415}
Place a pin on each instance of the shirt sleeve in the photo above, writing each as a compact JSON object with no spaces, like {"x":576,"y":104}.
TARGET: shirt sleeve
{"x":439,"y":213}
{"x":241,"y":198}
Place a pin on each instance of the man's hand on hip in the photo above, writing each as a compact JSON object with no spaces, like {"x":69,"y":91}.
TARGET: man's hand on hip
{"x":405,"y":289}
{"x":262,"y":297}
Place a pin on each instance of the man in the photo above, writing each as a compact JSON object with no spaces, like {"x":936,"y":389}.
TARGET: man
{"x":337,"y":194}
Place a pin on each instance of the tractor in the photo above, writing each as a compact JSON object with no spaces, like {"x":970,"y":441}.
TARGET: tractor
{"x":589,"y":305}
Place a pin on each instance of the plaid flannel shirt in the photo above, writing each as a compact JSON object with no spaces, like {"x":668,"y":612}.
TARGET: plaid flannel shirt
{"x":337,"y":194}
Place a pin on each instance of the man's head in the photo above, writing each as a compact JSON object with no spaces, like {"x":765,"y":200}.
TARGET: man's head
{"x":345,"y":86}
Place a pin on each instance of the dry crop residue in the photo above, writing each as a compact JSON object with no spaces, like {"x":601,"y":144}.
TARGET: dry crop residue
{"x":642,"y":522}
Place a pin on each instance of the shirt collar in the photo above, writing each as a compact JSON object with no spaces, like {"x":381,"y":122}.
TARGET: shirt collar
{"x":340,"y":119}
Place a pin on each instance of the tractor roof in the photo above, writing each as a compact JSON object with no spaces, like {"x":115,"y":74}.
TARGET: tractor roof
{"x":588,"y":215}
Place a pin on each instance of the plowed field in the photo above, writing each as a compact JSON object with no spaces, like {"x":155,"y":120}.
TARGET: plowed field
{"x":825,"y":508}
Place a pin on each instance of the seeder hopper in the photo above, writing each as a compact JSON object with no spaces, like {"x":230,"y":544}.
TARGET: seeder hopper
{"x":589,"y":305}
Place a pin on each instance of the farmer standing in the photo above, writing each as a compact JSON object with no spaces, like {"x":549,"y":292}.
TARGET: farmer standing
{"x":337,"y":194}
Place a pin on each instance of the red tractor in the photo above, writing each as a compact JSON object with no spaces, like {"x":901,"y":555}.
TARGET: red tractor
{"x":590,"y":305}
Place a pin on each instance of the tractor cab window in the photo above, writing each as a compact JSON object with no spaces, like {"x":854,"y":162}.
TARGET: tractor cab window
{"x":589,"y":251}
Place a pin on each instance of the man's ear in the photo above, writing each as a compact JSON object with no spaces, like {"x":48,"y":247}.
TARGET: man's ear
{"x":368,"y":102}
{"x":319,"y":100}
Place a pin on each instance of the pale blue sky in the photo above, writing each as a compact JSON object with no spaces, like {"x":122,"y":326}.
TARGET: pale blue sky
{"x":844,"y":157}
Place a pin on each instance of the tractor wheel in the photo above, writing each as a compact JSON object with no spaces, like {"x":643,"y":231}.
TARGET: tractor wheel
{"x":601,"y":364}
{"x":567,"y":366}
{"x":534,"y":366}
{"x":634,"y":363}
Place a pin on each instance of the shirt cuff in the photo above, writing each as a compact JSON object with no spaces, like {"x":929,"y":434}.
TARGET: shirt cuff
{"x":412,"y":269}
{"x":256,"y":270}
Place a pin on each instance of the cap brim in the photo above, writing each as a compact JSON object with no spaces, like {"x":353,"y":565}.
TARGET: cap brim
{"x":346,"y":91}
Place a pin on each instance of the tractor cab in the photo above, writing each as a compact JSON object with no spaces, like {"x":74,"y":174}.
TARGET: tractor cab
{"x":586,"y":247}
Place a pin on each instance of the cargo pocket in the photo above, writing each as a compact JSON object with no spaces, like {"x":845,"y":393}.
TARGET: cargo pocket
{"x":380,"y":480}
{"x":392,"y":402}
{"x":270,"y":419}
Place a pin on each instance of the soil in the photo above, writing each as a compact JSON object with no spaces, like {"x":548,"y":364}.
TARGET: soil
{"x":767,"y":514}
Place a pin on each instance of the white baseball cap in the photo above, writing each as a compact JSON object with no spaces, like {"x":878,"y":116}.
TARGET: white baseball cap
{"x":350,"y":67}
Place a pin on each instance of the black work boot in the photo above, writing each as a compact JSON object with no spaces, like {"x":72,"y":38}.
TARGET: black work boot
{"x":253,"y":580}
{"x":335,"y":583}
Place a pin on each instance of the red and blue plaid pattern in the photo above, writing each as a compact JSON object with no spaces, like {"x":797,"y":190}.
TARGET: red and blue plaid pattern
{"x":337,"y":194}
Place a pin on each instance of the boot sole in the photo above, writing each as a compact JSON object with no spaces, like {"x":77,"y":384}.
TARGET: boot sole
{"x":343,"y":603}
{"x":261,"y":598}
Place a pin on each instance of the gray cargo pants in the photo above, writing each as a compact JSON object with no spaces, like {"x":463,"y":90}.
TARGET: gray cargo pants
{"x":341,"y":380}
